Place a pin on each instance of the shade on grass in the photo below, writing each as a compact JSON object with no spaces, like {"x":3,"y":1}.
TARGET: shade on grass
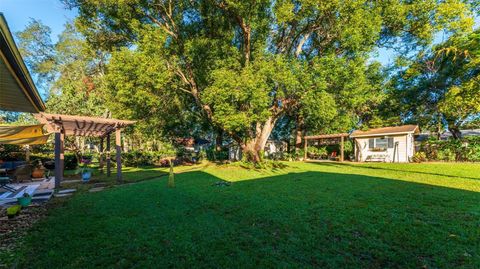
{"x":322,"y":215}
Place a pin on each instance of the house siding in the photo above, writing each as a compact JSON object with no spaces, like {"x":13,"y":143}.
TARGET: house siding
{"x":404,"y":152}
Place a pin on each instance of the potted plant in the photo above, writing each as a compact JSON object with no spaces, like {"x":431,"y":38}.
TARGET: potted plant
{"x":38,"y":170}
{"x":25,"y":200}
{"x":86,"y":171}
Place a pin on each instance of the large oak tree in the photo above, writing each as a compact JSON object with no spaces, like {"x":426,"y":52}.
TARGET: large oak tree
{"x":244,"y":64}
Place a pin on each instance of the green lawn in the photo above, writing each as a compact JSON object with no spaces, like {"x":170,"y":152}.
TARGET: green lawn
{"x":305,"y":215}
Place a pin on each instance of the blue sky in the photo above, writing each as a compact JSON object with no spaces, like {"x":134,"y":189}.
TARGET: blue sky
{"x":50,"y":12}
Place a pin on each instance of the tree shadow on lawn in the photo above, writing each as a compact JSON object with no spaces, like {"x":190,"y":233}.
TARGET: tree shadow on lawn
{"x":310,"y":219}
{"x":367,"y":166}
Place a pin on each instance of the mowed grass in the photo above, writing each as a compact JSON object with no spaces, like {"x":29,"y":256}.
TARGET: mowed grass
{"x":327,"y":215}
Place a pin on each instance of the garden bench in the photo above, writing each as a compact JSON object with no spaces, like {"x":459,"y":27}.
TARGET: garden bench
{"x":376,"y":158}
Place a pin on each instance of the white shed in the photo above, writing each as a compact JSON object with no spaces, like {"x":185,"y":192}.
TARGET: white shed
{"x":388,"y":144}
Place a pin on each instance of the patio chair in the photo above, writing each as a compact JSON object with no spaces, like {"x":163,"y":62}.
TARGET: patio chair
{"x":50,"y":166}
{"x":4,"y":181}
{"x":333,"y":156}
{"x":23,"y":172}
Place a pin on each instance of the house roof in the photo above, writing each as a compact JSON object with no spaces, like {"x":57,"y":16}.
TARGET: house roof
{"x":17,"y":90}
{"x":404,"y":129}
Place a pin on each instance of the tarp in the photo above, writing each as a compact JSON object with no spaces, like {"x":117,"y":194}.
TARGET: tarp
{"x":23,"y":134}
{"x":26,"y":141}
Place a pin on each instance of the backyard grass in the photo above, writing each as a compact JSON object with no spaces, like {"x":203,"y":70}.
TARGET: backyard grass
{"x":304,"y":215}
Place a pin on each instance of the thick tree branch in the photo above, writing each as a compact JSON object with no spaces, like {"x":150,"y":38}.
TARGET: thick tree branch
{"x":245,"y":28}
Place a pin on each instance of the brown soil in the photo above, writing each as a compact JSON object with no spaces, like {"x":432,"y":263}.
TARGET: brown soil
{"x":13,"y":230}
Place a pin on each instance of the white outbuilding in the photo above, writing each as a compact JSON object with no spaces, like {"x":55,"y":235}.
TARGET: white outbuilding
{"x":388,"y":144}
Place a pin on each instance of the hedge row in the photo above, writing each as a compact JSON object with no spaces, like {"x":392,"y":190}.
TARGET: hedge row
{"x":464,"y":150}
{"x":143,"y":158}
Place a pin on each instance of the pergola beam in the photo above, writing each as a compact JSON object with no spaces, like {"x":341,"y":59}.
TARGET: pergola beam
{"x":327,"y":136}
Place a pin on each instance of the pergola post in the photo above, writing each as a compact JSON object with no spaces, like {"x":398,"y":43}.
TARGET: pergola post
{"x":305,"y":149}
{"x":118,"y":147}
{"x":100,"y":160}
{"x":27,"y":153}
{"x":341,"y":148}
{"x":58,"y":170}
{"x":62,"y":153}
{"x":109,"y":165}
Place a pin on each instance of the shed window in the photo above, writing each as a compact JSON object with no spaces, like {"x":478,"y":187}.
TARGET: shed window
{"x":380,"y":143}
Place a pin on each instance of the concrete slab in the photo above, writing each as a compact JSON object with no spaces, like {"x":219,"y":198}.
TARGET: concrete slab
{"x":66,"y":191}
{"x":96,"y":189}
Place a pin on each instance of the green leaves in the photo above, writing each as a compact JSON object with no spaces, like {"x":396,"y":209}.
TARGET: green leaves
{"x":442,"y":86}
{"x":241,"y":65}
{"x":240,"y":97}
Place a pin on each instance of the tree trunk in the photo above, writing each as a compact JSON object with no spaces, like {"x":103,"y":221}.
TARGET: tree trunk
{"x":299,"y":132}
{"x":252,"y":148}
{"x":219,"y":140}
{"x":455,"y":131}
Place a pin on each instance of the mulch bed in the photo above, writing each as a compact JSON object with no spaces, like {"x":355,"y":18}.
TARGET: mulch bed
{"x":13,"y":230}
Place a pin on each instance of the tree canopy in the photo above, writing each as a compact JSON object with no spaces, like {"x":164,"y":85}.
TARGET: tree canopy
{"x":242,"y":65}
{"x":241,"y":68}
{"x":440,"y":87}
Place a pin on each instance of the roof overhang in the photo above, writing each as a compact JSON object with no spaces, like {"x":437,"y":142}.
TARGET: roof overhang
{"x":17,"y":90}
{"x":413,"y":129}
{"x":382,"y":134}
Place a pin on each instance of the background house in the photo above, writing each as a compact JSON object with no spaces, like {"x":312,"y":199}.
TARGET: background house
{"x":388,"y":144}
{"x":445,"y":135}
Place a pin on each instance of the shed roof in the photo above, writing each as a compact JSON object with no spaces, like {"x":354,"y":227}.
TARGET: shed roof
{"x":80,"y":125}
{"x":17,"y":90}
{"x":404,"y":129}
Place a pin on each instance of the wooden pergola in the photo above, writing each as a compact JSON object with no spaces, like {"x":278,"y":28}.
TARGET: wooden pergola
{"x":63,"y":125}
{"x":336,"y":137}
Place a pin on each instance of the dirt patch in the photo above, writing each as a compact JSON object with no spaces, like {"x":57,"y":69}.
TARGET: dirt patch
{"x":13,"y":230}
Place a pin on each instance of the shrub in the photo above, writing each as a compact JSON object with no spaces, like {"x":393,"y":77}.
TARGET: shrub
{"x":144,"y":158}
{"x":317,"y":152}
{"x":43,"y":157}
{"x":474,"y":153}
{"x":213,"y":155}
{"x":419,"y":157}
{"x":466,"y":149}
{"x":299,"y":154}
{"x":446,"y":155}
{"x":70,"y":161}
